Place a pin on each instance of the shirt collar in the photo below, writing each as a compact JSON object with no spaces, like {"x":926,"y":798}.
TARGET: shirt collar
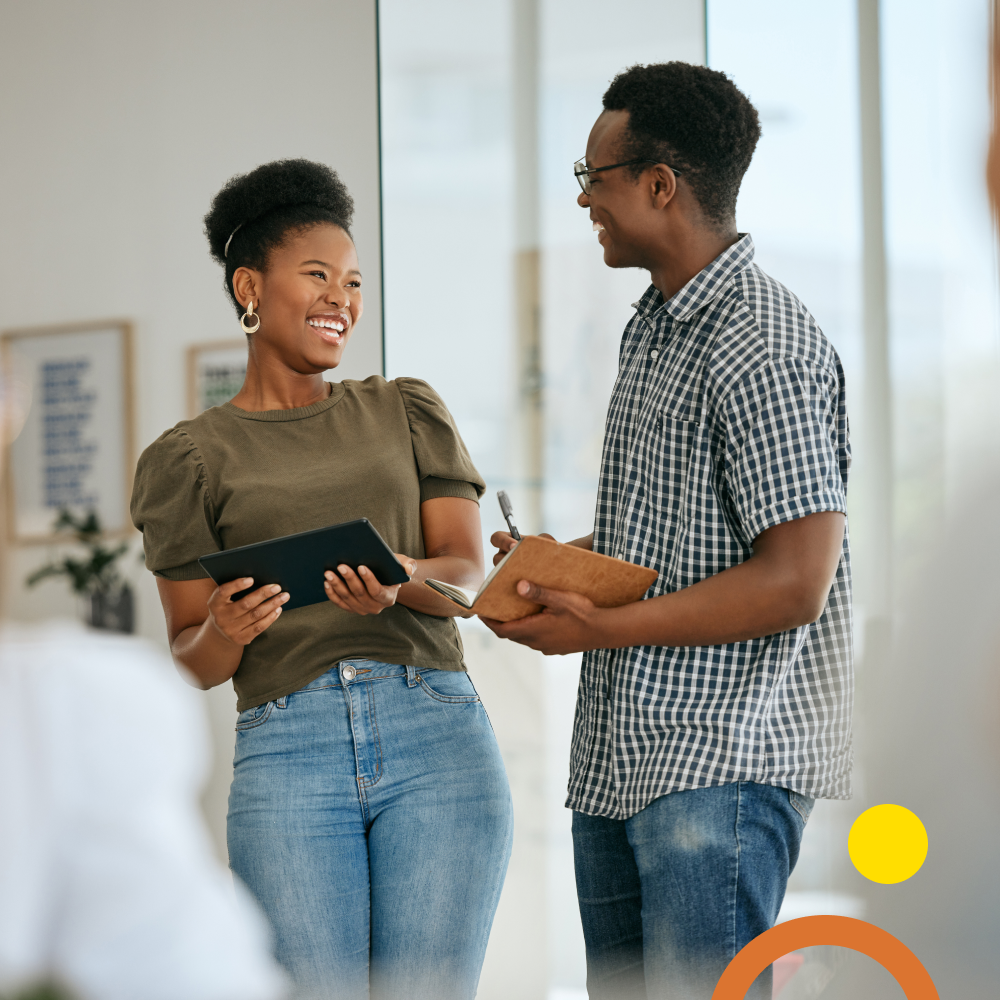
{"x":706,"y":285}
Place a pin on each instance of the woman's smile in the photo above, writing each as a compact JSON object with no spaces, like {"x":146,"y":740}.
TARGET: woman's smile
{"x":330,"y":326}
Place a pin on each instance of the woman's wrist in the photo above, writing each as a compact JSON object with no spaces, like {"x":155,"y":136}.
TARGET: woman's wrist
{"x":208,"y":653}
{"x":449,"y":569}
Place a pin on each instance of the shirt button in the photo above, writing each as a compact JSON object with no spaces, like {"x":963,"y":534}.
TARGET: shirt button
{"x":654,"y":353}
{"x":347,"y":672}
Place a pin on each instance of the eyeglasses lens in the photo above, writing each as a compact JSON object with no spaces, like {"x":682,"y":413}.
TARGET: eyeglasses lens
{"x":583,"y":178}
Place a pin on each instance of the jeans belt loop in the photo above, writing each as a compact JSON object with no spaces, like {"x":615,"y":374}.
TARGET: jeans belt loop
{"x":282,"y":702}
{"x":411,"y":676}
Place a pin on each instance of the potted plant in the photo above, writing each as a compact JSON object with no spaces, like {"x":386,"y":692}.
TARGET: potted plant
{"x":106,"y":597}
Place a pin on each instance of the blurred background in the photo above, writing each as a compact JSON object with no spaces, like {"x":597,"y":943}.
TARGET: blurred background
{"x":455,"y":125}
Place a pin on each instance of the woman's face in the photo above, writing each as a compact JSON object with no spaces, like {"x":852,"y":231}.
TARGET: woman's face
{"x":309,"y":298}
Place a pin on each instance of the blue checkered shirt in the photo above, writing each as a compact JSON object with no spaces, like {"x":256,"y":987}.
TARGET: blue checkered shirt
{"x":728,"y":417}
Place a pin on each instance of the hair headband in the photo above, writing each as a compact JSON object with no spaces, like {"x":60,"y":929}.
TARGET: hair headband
{"x":225,"y":251}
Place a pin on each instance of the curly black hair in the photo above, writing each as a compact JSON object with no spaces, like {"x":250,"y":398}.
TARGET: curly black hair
{"x":693,"y":118}
{"x":256,"y":212}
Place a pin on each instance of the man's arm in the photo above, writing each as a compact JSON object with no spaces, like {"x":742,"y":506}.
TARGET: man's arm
{"x":783,"y":585}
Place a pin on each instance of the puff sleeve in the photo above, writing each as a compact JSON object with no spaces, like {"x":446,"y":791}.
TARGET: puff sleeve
{"x":443,"y":461}
{"x":172,"y":507}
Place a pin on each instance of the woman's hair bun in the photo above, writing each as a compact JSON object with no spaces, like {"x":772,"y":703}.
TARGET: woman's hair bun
{"x":281,"y":184}
{"x":254,"y":213}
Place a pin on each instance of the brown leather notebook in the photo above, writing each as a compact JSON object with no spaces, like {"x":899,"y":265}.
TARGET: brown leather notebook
{"x":608,"y":582}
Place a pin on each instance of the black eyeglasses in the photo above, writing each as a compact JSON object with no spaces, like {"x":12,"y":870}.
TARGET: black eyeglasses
{"x":582,"y":172}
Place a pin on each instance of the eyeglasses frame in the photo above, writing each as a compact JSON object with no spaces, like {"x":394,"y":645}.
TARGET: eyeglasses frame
{"x":583,"y":176}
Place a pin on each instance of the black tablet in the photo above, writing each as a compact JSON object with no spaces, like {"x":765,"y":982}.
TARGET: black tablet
{"x":297,"y":562}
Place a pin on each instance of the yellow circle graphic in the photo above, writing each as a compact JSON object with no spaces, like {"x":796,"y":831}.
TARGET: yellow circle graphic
{"x":887,"y":844}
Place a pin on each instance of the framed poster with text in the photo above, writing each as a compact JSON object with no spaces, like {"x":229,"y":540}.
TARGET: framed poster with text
{"x":76,"y":448}
{"x":215,"y":373}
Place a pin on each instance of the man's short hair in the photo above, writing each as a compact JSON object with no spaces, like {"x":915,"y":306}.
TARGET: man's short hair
{"x":693,"y":118}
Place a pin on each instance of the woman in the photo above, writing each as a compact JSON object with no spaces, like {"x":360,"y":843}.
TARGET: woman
{"x":369,"y":812}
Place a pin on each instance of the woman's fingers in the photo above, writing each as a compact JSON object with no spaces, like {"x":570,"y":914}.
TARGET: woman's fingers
{"x":338,"y":592}
{"x":257,"y":625}
{"x":226,"y":590}
{"x":239,"y":621}
{"x":252,"y":602}
{"x":353,"y":583}
{"x":360,"y":592}
{"x":256,"y":605}
{"x":408,"y":563}
{"x":372,"y":587}
{"x":335,"y":588}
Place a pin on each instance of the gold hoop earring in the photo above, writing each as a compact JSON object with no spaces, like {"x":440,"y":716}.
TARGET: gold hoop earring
{"x":248,"y":315}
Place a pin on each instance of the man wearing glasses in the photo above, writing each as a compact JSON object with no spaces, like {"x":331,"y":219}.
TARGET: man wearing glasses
{"x":715,"y":711}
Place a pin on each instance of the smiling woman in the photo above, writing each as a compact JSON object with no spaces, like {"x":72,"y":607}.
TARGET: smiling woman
{"x":362,"y":748}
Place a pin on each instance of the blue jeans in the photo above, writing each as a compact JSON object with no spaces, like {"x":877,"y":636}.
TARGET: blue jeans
{"x":371,"y":818}
{"x":671,"y":894}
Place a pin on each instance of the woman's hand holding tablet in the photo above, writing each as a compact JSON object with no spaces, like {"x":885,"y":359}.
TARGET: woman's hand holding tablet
{"x":245,"y":619}
{"x":360,"y":592}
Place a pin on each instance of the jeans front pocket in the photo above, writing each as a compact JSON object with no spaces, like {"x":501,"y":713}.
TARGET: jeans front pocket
{"x":249,"y":718}
{"x":450,"y":686}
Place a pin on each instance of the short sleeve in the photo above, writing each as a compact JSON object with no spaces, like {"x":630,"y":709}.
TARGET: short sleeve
{"x":443,"y":461}
{"x":784,"y":453}
{"x":172,"y":508}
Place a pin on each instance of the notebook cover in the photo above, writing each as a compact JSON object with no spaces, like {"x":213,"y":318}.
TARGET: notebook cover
{"x":608,"y":582}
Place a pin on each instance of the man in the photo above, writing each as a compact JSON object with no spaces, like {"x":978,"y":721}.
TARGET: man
{"x":712,"y":713}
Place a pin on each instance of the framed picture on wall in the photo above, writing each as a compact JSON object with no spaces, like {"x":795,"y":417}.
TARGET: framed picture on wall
{"x":76,"y":448}
{"x":215,"y":373}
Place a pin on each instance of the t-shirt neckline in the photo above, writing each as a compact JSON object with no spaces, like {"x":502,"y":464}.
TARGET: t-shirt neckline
{"x":296,"y":413}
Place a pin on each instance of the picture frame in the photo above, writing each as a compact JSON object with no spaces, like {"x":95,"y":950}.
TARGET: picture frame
{"x":76,"y":448}
{"x":215,"y":373}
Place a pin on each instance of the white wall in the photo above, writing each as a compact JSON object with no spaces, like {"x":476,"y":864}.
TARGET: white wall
{"x":118,"y":123}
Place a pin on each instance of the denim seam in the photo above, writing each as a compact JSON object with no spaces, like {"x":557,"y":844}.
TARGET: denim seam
{"x":378,"y":740}
{"x":447,"y":699}
{"x":363,"y":797}
{"x":357,"y":768}
{"x":259,"y":721}
{"x":736,"y":880}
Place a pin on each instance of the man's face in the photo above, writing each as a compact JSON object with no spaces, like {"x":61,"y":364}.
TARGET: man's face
{"x":618,"y":202}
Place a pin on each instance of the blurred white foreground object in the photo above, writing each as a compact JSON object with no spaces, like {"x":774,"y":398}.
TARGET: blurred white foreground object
{"x":108,"y":884}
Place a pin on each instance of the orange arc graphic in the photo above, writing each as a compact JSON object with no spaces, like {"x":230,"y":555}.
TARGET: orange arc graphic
{"x":843,"y":932}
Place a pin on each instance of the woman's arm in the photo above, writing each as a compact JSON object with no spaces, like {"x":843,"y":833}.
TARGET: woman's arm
{"x":207,"y":631}
{"x":453,"y":544}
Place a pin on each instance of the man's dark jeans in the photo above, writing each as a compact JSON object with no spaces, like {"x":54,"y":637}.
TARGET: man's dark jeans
{"x":670,"y":895}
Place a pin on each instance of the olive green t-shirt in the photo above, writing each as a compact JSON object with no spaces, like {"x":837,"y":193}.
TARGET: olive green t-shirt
{"x":230,"y":477}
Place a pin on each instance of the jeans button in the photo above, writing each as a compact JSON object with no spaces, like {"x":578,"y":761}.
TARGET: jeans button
{"x":347,"y":672}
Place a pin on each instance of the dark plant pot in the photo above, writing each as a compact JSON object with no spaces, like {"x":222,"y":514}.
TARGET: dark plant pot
{"x":113,"y":610}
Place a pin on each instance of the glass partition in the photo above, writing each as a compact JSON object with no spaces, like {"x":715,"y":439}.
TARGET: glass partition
{"x":496,"y":293}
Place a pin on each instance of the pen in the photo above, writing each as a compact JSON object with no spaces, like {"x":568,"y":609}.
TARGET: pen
{"x":508,"y":513}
